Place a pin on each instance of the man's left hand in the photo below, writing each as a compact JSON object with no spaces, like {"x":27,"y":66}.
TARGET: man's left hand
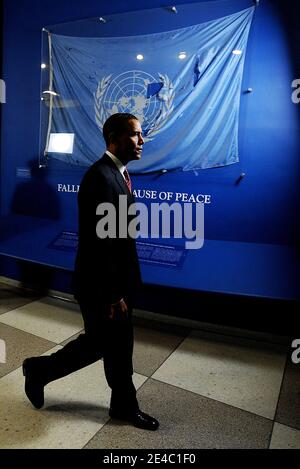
{"x":119,"y":311}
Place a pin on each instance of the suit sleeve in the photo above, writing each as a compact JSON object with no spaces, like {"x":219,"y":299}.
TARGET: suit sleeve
{"x":104,"y":255}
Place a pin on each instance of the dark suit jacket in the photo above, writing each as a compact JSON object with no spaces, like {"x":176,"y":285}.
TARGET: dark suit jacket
{"x":106,"y":270}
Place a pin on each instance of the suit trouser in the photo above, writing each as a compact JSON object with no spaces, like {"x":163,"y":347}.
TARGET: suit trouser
{"x":110,"y":339}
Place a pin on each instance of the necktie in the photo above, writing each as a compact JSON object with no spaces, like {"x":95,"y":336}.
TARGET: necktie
{"x":127,"y":179}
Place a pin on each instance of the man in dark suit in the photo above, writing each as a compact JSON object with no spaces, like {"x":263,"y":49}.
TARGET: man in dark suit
{"x":106,"y":276}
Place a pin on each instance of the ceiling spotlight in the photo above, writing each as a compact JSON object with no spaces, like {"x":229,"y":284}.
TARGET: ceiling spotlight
{"x":43,"y":66}
{"x":174,"y":9}
{"x":140,"y":57}
{"x":52,"y":93}
{"x":237,"y":52}
{"x":182,"y":55}
{"x":102,"y":20}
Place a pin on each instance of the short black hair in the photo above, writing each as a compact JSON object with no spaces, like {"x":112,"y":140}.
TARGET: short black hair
{"x":116,"y":124}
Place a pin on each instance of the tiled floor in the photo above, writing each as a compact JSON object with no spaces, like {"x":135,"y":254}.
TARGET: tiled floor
{"x":207,"y":389}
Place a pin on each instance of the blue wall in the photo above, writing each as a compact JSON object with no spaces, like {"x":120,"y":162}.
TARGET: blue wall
{"x":263,"y":208}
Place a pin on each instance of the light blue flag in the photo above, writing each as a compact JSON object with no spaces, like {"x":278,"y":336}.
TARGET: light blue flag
{"x":186,"y":92}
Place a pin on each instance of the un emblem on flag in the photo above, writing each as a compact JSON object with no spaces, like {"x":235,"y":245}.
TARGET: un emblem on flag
{"x":149,"y":98}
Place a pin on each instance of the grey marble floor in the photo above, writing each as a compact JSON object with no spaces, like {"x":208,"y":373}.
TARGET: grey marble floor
{"x":207,"y":389}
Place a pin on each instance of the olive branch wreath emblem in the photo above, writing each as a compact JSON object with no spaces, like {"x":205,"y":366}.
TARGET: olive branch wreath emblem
{"x":166,"y":95}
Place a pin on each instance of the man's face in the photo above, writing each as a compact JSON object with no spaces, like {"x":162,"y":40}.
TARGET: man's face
{"x":129,"y":144}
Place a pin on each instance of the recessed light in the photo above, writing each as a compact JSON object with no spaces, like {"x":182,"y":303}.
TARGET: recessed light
{"x":140,"y":57}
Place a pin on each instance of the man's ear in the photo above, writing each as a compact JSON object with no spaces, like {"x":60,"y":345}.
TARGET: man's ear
{"x":112,"y":137}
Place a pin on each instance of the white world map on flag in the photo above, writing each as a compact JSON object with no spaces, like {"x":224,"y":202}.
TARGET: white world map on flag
{"x":130,"y":92}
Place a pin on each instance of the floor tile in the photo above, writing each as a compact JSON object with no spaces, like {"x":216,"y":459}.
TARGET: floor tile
{"x":244,"y":377}
{"x":284,"y":437}
{"x":153,"y":344}
{"x":52,"y":319}
{"x":288,"y":410}
{"x":20,"y":345}
{"x":70,"y":417}
{"x":210,"y":390}
{"x":187,"y":420}
{"x":12,"y":297}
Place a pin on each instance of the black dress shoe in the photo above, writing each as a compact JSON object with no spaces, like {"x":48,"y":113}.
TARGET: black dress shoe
{"x":34,"y":386}
{"x":138,"y":418}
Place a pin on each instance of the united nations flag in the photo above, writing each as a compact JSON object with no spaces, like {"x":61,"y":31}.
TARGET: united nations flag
{"x":183,"y":85}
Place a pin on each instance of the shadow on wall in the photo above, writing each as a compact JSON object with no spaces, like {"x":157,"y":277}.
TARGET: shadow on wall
{"x":35,"y":276}
{"x":35,"y":197}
